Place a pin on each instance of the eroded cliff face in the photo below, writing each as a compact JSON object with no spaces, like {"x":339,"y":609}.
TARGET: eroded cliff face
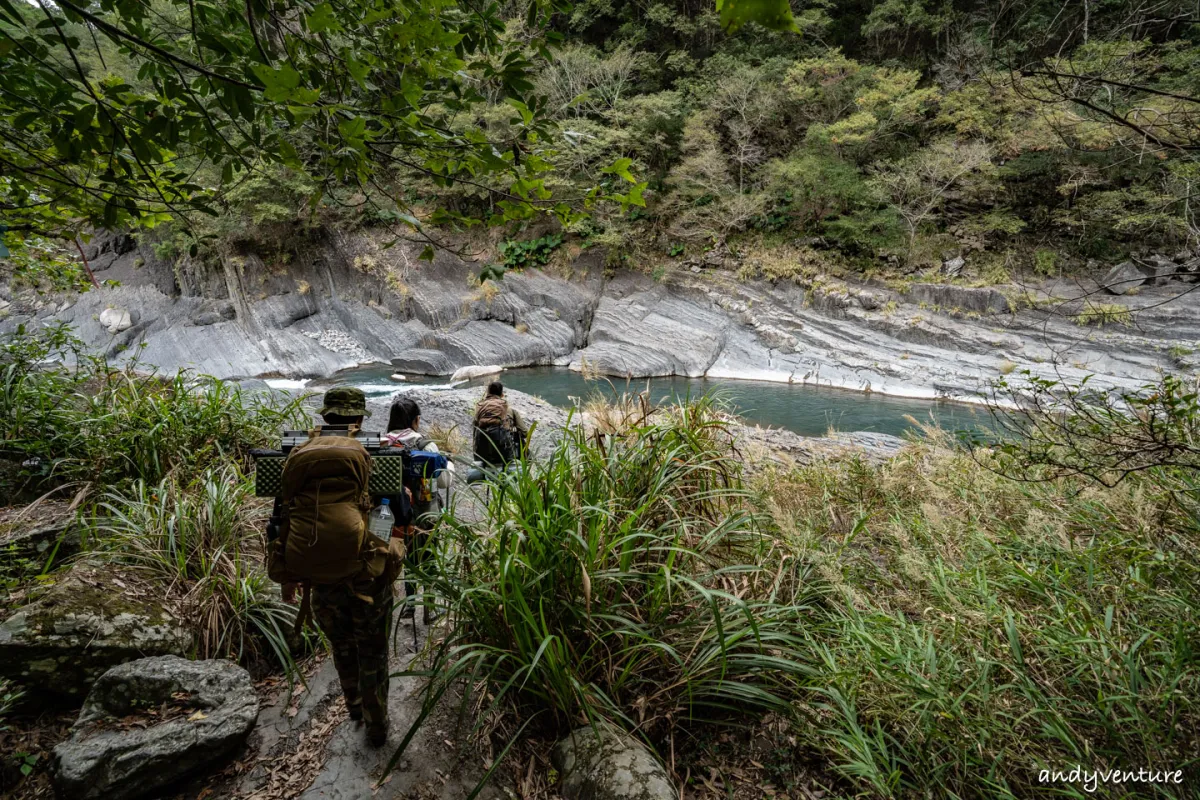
{"x":347,"y":299}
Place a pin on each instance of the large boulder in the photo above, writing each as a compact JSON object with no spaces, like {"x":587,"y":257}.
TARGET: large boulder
{"x":1123,"y":278}
{"x":606,"y":764}
{"x":423,"y":361}
{"x":1159,"y":269}
{"x":116,"y":319}
{"x":471,"y":373}
{"x":78,"y":627}
{"x":208,"y":708}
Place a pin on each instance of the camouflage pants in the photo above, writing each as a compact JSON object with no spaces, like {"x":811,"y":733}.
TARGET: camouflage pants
{"x":358,"y":635}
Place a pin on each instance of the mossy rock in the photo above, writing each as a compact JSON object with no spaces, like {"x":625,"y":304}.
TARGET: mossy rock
{"x":78,"y":627}
{"x":32,"y":549}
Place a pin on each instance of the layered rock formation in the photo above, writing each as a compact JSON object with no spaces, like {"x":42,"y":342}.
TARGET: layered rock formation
{"x":347,"y":299}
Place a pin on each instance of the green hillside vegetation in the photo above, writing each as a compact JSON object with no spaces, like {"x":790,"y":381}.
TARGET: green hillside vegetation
{"x":879,"y":135}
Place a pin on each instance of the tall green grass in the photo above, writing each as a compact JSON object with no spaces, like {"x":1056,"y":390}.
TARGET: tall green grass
{"x":623,"y":578}
{"x":930,"y":628}
{"x":77,"y":419}
{"x":204,"y":544}
{"x":979,"y":630}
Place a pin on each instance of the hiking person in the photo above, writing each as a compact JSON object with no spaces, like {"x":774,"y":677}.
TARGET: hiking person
{"x":500,"y":432}
{"x":347,"y":572}
{"x":404,"y":423}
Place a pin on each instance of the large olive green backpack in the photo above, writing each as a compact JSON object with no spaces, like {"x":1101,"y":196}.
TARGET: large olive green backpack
{"x":326,"y":504}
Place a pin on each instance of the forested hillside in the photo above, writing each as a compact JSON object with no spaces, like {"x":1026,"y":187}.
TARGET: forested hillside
{"x":1023,"y":134}
{"x":1027,"y":136}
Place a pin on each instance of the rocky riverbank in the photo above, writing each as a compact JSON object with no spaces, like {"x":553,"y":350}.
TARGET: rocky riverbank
{"x":349,"y":300}
{"x":453,"y":409}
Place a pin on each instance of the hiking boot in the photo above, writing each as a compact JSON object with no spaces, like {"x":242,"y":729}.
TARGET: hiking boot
{"x":377,"y":735}
{"x":355,"y":712}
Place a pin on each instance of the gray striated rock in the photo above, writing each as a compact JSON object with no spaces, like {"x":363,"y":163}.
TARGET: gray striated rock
{"x":954,"y":266}
{"x":80,"y":626}
{"x":1159,"y":269}
{"x":139,"y":762}
{"x":649,"y":330}
{"x":606,"y":764}
{"x":882,"y":445}
{"x":207,"y":318}
{"x":767,"y":446}
{"x":945,"y":296}
{"x":1123,"y":278}
{"x":423,"y":361}
{"x":374,"y":304}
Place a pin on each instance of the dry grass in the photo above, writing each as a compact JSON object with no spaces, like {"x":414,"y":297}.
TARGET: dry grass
{"x":1101,"y":314}
{"x":450,"y":439}
{"x":616,"y":413}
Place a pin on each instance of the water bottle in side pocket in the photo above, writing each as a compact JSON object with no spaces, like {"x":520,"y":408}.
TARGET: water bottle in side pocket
{"x":381,"y":520}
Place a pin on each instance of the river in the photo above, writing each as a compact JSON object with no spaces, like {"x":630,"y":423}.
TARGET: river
{"x":807,"y":410}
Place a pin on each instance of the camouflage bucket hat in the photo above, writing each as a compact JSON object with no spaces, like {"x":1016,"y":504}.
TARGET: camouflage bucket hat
{"x":346,"y":401}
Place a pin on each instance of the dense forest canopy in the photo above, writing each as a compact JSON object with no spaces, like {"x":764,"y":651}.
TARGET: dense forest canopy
{"x":1031,"y":133}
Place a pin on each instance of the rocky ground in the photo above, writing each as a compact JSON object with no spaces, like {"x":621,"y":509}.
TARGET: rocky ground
{"x":302,"y":744}
{"x":348,"y":300}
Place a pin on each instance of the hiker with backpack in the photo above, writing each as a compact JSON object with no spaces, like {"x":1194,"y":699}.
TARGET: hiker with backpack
{"x":404,"y":422}
{"x":347,"y":573}
{"x":500,"y":432}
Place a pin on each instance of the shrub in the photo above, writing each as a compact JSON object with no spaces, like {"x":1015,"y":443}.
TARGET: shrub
{"x":1101,"y":314}
{"x":74,"y":417}
{"x":1045,"y":262}
{"x":533,"y":253}
{"x":203,"y":543}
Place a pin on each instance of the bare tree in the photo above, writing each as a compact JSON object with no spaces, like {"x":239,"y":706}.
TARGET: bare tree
{"x":917,"y":185}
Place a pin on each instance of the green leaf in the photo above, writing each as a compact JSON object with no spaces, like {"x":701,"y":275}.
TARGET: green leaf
{"x":620,"y":167}
{"x":301,"y":114}
{"x":322,"y":19}
{"x":83,"y":116}
{"x":278,"y":83}
{"x":357,"y":69}
{"x":353,"y":129}
{"x":492,"y":272}
{"x":635,"y":195}
{"x":775,"y":15}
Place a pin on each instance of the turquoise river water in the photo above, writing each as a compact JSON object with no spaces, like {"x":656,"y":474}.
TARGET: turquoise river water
{"x":807,"y":410}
